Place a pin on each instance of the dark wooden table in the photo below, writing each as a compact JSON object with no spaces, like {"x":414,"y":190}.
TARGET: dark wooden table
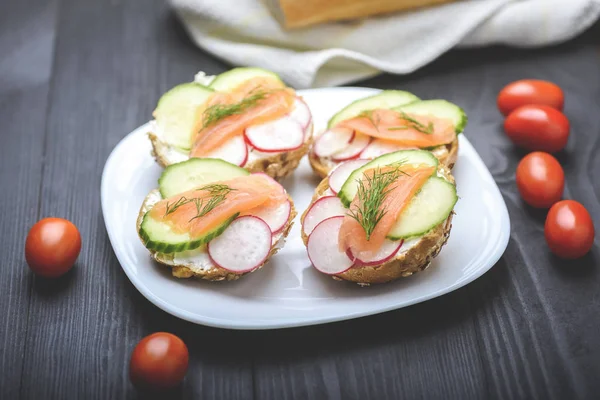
{"x":76,"y":76}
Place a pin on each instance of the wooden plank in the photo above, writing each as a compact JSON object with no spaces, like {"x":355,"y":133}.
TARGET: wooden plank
{"x":26,"y":44}
{"x":537,"y":324}
{"x":424,"y":351}
{"x":113,"y":59}
{"x":526,"y":329}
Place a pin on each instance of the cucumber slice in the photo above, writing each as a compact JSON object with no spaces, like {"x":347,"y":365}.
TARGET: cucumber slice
{"x":159,"y":237}
{"x":196,"y":172}
{"x":440,"y":109}
{"x":233,"y":78}
{"x":429,"y":208}
{"x":386,"y":99}
{"x":177,"y":113}
{"x":350,"y":187}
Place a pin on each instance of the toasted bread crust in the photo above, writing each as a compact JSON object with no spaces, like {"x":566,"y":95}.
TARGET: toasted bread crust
{"x":277,"y":166}
{"x":214,"y":273}
{"x":416,"y":259}
{"x":448,"y":158}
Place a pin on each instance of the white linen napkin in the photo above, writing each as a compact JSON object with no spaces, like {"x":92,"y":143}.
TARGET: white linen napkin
{"x":244,"y":32}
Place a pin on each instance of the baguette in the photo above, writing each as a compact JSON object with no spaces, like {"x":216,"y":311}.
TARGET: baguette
{"x":298,"y":14}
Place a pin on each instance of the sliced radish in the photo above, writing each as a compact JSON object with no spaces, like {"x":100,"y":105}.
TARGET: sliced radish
{"x":386,"y":252}
{"x":380,"y":147}
{"x":301,"y":113}
{"x":323,"y":250}
{"x":325,"y":207}
{"x":354,"y":148}
{"x":244,"y":246}
{"x":338,"y":176}
{"x":276,"y":216}
{"x":333,"y":141}
{"x":328,"y":192}
{"x":283,"y":134}
{"x":234,"y":151}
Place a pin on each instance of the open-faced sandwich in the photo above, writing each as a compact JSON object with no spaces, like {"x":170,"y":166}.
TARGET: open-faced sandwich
{"x":387,"y":122}
{"x":246,"y":116}
{"x":379,"y":220}
{"x":214,"y":220}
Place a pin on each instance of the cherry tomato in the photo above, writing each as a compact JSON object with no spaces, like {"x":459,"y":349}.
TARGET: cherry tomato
{"x":159,"y":361}
{"x":530,"y":91}
{"x":540,"y":179}
{"x":52,"y":246}
{"x":569,"y":229}
{"x":538,"y":127}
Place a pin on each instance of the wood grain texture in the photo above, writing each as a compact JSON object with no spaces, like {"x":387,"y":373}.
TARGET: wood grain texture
{"x":26,"y":44}
{"x":527,"y":328}
{"x":77,"y":75}
{"x":113,"y":59}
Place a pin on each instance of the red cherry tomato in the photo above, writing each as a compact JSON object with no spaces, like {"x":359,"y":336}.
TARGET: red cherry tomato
{"x":52,"y":246}
{"x":159,"y":361}
{"x":538,"y":127}
{"x":569,"y":229}
{"x":530,"y":91}
{"x":540,"y":179}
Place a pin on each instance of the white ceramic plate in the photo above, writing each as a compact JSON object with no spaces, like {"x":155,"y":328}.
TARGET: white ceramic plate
{"x":289,"y":291}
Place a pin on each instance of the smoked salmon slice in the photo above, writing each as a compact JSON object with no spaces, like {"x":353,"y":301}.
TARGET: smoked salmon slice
{"x":199,"y":211}
{"x":404,"y":129}
{"x":253,"y":103}
{"x":395,"y":197}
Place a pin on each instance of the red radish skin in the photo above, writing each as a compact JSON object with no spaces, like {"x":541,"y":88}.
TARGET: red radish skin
{"x":322,"y":248}
{"x":322,"y":209}
{"x":301,"y":113}
{"x":342,"y":172}
{"x":332,"y":141}
{"x":276,"y":216}
{"x":283,"y":134}
{"x":234,"y":151}
{"x":354,"y":148}
{"x":388,"y":250}
{"x":243,"y":246}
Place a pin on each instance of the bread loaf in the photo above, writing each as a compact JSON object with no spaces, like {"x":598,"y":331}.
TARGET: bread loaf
{"x":301,"y":13}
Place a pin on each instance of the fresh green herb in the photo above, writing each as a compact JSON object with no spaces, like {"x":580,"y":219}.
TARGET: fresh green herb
{"x":171,"y":208}
{"x":369,"y":115}
{"x":217,"y":193}
{"x":413,"y":123}
{"x":217,"y":112}
{"x":372,"y":191}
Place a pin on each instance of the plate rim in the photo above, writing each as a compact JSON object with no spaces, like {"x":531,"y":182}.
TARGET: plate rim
{"x":256,"y":324}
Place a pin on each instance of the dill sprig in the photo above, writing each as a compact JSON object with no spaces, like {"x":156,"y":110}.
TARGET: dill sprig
{"x":369,"y":115}
{"x":217,"y":112}
{"x":413,"y":123}
{"x":372,"y":191}
{"x":217,"y":193}
{"x":171,"y":208}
